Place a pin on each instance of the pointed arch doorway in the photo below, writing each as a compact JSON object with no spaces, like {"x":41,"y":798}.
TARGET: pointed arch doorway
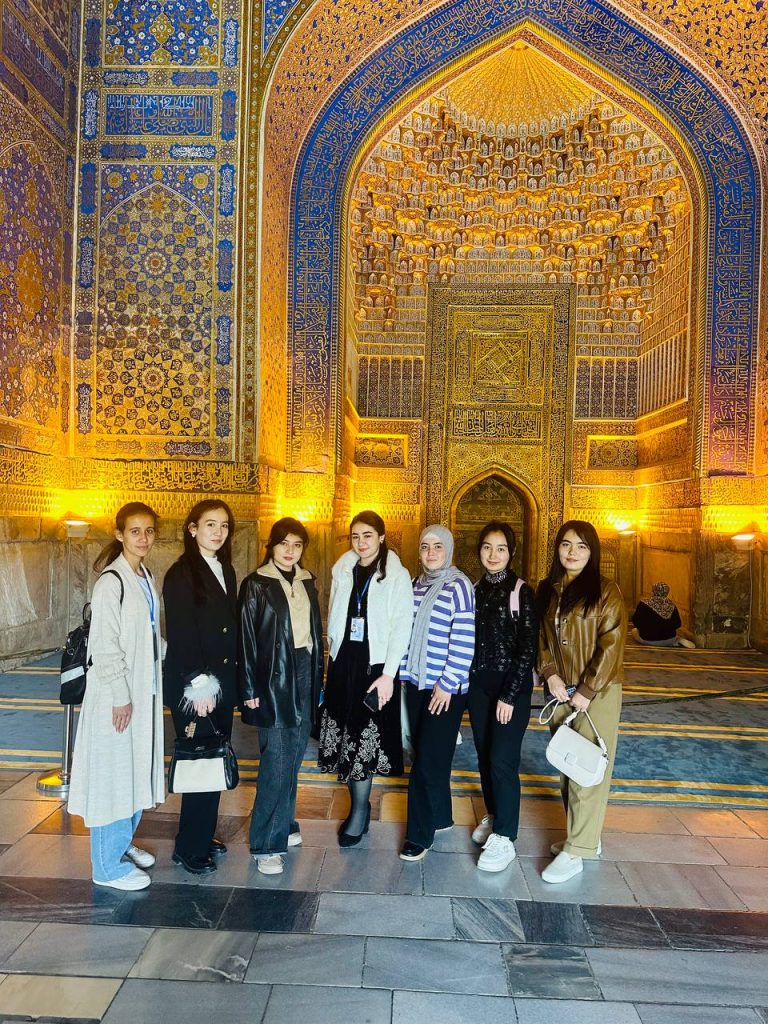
{"x":495,"y":495}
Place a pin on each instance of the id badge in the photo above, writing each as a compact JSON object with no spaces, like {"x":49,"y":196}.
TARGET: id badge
{"x":357,"y":629}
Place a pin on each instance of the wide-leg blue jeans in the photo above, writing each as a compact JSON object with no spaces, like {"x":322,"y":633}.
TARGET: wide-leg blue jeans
{"x":108,"y":846}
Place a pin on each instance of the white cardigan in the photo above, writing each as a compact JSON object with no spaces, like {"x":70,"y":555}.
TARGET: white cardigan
{"x":390,"y":610}
{"x":116,"y":774}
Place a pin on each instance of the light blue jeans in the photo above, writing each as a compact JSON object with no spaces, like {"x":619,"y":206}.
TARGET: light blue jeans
{"x":108,"y":846}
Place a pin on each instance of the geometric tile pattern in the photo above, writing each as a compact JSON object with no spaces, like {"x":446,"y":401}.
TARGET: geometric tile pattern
{"x":154,"y":317}
{"x":157,"y":333}
{"x":30,"y":277}
{"x":161,"y":32}
{"x":38,"y":121}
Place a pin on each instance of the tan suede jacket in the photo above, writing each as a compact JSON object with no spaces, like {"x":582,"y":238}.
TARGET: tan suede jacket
{"x":589,"y":653}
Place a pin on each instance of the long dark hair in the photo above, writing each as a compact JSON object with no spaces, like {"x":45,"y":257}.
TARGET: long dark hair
{"x":374,"y":520}
{"x":496,"y":526}
{"x":192,"y":555}
{"x":586,"y":586}
{"x":280,"y":531}
{"x":114,"y":549}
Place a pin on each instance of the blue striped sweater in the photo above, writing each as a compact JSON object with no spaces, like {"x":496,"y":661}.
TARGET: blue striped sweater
{"x":451,"y":637}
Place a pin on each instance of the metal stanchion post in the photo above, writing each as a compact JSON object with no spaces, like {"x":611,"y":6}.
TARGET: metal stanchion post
{"x":56,"y":782}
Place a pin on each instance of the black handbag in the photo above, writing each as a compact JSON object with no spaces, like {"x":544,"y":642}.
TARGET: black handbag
{"x":204,"y":765}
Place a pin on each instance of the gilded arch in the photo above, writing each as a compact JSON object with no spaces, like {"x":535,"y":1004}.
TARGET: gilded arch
{"x":624,"y":50}
{"x":532,"y":559}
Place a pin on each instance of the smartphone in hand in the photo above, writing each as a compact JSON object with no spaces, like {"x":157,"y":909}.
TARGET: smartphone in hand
{"x":371,"y":700}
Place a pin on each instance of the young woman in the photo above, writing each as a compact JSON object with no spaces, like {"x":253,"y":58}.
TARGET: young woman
{"x":200,"y":684}
{"x":117,"y":769}
{"x":369,"y":623}
{"x":280,"y":673}
{"x":436,"y":671}
{"x":581,"y":654}
{"x":500,"y":686}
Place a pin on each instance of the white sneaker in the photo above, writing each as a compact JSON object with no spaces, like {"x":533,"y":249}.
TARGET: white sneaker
{"x":294,"y":839}
{"x":682,"y":642}
{"x":556,"y":848}
{"x":141,"y":858}
{"x":134,"y":880}
{"x":563,"y":867}
{"x":483,"y":831}
{"x":271,"y":864}
{"x":498,"y":853}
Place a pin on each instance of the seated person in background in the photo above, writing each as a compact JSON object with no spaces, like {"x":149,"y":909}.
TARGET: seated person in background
{"x":657,"y":620}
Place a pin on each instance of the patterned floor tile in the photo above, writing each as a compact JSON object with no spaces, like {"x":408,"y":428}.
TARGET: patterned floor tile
{"x":195,"y":955}
{"x":635,"y":927}
{"x":56,"y":899}
{"x":457,"y":874}
{"x":369,"y":914}
{"x":556,"y":972}
{"x":174,"y":906}
{"x":79,"y":949}
{"x":285,"y":959}
{"x":294,"y":1003}
{"x":559,"y":923}
{"x":690,"y":978}
{"x":680,"y":885}
{"x":429,"y":1007}
{"x":556,"y":1011}
{"x":186,"y":1002}
{"x":704,"y":929}
{"x":270,"y":911}
{"x":36,"y":995}
{"x":433,"y":965}
{"x":487,"y":920}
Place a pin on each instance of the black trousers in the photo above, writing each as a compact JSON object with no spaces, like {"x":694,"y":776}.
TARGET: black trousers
{"x":199,"y":811}
{"x":434,"y":744}
{"x":498,"y":756}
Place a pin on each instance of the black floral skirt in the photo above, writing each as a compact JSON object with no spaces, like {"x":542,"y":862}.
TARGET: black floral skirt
{"x":354,"y":742}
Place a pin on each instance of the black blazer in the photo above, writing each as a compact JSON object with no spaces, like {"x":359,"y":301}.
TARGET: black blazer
{"x":266,"y":655}
{"x":201,"y":638}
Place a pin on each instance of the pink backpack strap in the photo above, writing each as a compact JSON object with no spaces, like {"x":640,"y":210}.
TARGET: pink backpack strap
{"x":514,"y":607}
{"x":514,"y":598}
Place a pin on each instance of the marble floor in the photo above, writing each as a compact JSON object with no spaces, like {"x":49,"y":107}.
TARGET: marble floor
{"x":670,"y":926}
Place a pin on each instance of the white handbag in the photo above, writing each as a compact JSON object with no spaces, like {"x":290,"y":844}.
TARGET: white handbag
{"x":577,"y":757}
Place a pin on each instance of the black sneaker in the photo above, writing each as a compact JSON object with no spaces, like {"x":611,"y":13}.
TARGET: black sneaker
{"x":412,"y":851}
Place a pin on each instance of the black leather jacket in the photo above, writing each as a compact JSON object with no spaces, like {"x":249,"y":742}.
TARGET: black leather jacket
{"x":266,"y":666}
{"x":505,"y":645}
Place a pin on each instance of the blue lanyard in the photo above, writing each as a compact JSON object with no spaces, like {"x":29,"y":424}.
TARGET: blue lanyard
{"x":359,"y":595}
{"x":145,"y":586}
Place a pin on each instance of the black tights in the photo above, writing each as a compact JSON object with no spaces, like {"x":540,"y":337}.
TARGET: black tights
{"x":359,"y":795}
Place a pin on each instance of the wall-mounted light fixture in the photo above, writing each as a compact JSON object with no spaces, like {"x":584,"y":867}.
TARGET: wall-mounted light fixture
{"x":745,"y":539}
{"x":76,"y":527}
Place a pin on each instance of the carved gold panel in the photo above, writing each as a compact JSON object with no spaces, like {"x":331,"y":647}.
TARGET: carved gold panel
{"x":498,"y":396}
